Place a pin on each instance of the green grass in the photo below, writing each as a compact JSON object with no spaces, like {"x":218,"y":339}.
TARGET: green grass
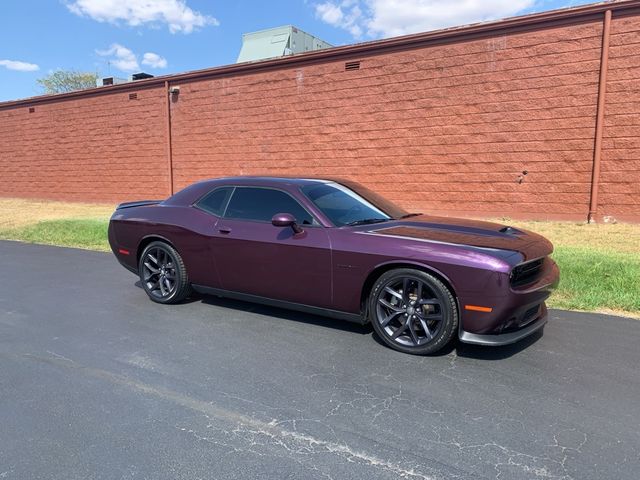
{"x":81,"y":233}
{"x":592,"y":279}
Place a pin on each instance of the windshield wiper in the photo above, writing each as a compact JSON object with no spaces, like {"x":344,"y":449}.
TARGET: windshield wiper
{"x":367,"y":221}
{"x":410,"y":215}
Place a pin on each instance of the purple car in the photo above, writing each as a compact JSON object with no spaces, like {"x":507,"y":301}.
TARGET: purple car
{"x":337,"y":249}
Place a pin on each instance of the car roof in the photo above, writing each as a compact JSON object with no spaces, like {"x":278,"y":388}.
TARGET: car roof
{"x":270,"y":180}
{"x":194,"y":191}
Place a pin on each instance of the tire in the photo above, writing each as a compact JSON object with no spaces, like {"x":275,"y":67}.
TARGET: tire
{"x":413,"y":311}
{"x":163,"y":274}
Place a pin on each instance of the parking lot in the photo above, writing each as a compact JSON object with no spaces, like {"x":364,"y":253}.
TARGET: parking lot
{"x":96,"y":381}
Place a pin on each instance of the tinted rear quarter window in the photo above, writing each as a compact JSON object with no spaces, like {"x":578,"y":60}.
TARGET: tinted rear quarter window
{"x":261,"y":204}
{"x":215,"y":201}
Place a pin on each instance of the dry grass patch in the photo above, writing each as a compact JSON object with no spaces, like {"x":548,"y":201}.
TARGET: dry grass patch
{"x":82,"y":225}
{"x":616,"y":237}
{"x":16,"y":213}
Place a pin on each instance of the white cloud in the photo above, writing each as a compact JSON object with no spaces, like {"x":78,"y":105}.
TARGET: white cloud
{"x":154,"y":60}
{"x":330,"y":13}
{"x":126,"y":60}
{"x":386,"y":18}
{"x":175,"y":13}
{"x":120,"y":57}
{"x":346,"y":15}
{"x":19,"y":66}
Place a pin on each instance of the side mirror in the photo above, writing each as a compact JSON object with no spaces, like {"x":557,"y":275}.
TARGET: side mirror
{"x":286,"y":220}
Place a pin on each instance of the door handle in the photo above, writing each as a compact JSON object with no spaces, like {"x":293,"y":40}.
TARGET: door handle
{"x":224,"y":230}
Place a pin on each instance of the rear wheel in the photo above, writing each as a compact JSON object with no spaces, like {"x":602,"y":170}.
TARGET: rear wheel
{"x":413,"y":311}
{"x":163,"y":274}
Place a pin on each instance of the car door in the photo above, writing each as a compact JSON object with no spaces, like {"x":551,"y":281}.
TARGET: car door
{"x":254,"y":257}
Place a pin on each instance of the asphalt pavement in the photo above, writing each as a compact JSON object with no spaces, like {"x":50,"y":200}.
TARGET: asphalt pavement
{"x":98,"y":382}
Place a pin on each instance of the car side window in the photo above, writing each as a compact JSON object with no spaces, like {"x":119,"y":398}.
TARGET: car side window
{"x":215,"y":201}
{"x":261,"y":204}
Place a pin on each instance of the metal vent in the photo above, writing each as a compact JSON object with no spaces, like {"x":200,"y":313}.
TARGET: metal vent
{"x":133,"y":96}
{"x":32,"y":109}
{"x":352,"y":66}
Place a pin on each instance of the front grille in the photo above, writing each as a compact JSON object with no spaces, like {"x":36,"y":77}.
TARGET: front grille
{"x":526,"y":273}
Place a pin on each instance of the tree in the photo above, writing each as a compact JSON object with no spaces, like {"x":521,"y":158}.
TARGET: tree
{"x":62,"y":81}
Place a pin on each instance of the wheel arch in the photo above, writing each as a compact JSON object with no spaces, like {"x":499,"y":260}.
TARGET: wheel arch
{"x":382,"y":268}
{"x":147,"y":239}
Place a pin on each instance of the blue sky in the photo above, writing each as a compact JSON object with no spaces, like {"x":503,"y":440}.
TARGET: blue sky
{"x":120,"y":37}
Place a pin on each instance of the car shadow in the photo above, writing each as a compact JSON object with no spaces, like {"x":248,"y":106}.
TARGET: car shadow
{"x":194,"y":297}
{"x":440,"y":353}
{"x":465,"y":350}
{"x":479,"y":352}
{"x":282,"y":313}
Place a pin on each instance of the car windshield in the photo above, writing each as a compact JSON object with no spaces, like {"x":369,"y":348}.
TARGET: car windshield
{"x":351,"y":205}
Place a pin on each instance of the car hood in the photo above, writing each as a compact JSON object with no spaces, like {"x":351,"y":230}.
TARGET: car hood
{"x":464,"y":232}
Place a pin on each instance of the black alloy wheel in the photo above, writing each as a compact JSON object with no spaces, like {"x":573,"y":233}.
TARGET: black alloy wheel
{"x":413,"y":311}
{"x":163,"y":274}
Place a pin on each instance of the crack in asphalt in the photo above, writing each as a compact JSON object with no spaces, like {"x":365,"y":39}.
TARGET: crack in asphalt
{"x":291,"y":441}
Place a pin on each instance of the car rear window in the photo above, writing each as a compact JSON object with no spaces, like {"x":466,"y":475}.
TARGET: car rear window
{"x":261,"y":204}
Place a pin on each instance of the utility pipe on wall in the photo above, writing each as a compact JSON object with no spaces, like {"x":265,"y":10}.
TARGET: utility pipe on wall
{"x":167,"y":99}
{"x":602,"y":90}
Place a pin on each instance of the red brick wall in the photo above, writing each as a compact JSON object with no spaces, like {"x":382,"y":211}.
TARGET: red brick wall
{"x":105,"y":148}
{"x":442,"y":129}
{"x":445,"y":128}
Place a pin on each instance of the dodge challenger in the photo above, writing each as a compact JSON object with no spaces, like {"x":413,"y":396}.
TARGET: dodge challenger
{"x":335,"y":248}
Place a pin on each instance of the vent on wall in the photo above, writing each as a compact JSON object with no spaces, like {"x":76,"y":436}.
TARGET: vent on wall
{"x":352,"y":66}
{"x":133,"y":96}
{"x":32,"y":109}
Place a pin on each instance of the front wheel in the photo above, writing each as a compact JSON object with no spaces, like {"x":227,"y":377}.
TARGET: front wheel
{"x":163,"y":274}
{"x":413,"y":311}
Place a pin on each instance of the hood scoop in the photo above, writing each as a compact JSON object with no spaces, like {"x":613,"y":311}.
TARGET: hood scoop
{"x":511,"y":231}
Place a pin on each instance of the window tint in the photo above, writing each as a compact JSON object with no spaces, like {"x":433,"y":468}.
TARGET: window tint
{"x":215,"y":201}
{"x":263,"y":203}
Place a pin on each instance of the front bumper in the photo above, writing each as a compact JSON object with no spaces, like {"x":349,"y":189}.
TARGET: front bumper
{"x":506,"y":338}
{"x":516,"y":313}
